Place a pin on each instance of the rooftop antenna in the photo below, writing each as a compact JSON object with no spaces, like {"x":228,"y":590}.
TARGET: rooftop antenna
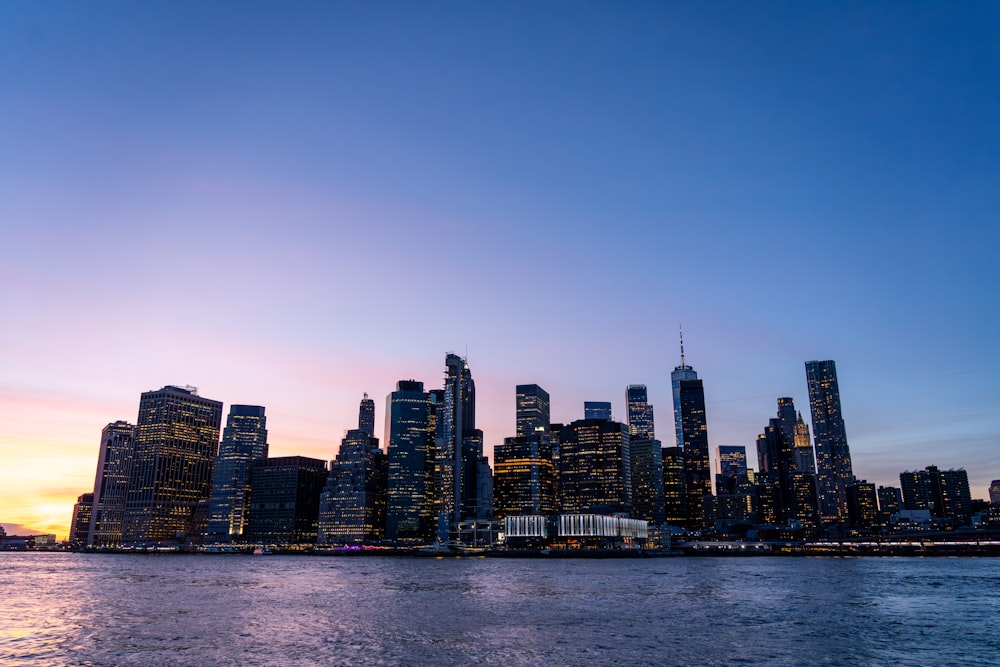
{"x":681,"y":327}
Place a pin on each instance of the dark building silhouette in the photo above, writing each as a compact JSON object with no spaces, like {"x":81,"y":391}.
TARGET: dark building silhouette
{"x":595,"y":469}
{"x":833,"y":457}
{"x":995,"y":492}
{"x":114,"y":467}
{"x":640,"y":412}
{"x":284,"y":500}
{"x":353,"y":503}
{"x":412,"y":500}
{"x":244,"y":440}
{"x":945,"y":493}
{"x":890,"y":501}
{"x":366,"y":416}
{"x":532,"y":411}
{"x":177,"y":437}
{"x":730,"y":468}
{"x":674,"y":489}
{"x":697,"y":470}
{"x":648,"y":500}
{"x":80,"y":523}
{"x":597,"y":410}
{"x":862,"y":505}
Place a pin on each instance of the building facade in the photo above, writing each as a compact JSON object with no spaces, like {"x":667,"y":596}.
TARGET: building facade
{"x":353,"y":503}
{"x":595,"y":468}
{"x":244,"y":440}
{"x":284,"y":500}
{"x":697,"y":469}
{"x":114,"y":467}
{"x":412,"y":502}
{"x":834,"y":471}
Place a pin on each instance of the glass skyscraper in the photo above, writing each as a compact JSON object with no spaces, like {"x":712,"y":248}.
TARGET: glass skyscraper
{"x":595,"y":467}
{"x":244,"y":440}
{"x":411,"y":512}
{"x":833,"y":457}
{"x":532,"y":411}
{"x":114,"y":466}
{"x":681,"y":373}
{"x":697,"y":470}
{"x":640,"y":412}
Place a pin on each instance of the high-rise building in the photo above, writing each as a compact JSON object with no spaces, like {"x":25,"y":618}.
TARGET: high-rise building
{"x":524,"y":476}
{"x":114,"y":466}
{"x":697,"y":470}
{"x":681,"y":373}
{"x":244,"y":440}
{"x":730,"y":468}
{"x":532,"y":411}
{"x":177,"y":438}
{"x":411,"y":513}
{"x":890,"y":501}
{"x":862,"y":505}
{"x":459,"y":448}
{"x":805,"y":460}
{"x":353,"y":503}
{"x":284,"y":500}
{"x":945,"y":493}
{"x":595,"y":468}
{"x":674,"y":490}
{"x":640,"y":412}
{"x":597,"y":410}
{"x":833,"y":457}
{"x":995,"y":492}
{"x":648,"y":500}
{"x":366,"y":416}
{"x":80,"y":523}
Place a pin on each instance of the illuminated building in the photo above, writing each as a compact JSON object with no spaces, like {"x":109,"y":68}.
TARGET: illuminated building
{"x":640,"y":412}
{"x":674,"y":490}
{"x":177,"y":437}
{"x":862,"y":505}
{"x":648,"y":501}
{"x":833,"y":457}
{"x":803,"y":500}
{"x":945,"y":493}
{"x":244,"y":440}
{"x":890,"y":501}
{"x":595,"y":471}
{"x":353,"y":503}
{"x":995,"y":492}
{"x":805,"y":460}
{"x":284,"y":500}
{"x":524,"y":476}
{"x":532,"y":411}
{"x":114,"y":466}
{"x":597,"y":410}
{"x":366,"y":416}
{"x":730,"y":468}
{"x":411,"y":501}
{"x":682,"y":372}
{"x":697,"y":470}
{"x":80,"y":523}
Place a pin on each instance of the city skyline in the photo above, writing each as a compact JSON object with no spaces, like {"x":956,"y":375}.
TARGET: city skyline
{"x":290,"y":207}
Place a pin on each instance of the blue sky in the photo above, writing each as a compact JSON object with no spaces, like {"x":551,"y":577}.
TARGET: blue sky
{"x":294,"y":205}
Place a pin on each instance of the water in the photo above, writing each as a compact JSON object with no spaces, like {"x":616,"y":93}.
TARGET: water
{"x":84,"y":609}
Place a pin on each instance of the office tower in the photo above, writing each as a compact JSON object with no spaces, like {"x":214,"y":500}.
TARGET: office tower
{"x":674,"y":490}
{"x":862,"y":505}
{"x":697,"y":470}
{"x":805,"y":461}
{"x":640,"y":412}
{"x":80,"y":523}
{"x":458,"y":444}
{"x":244,"y":440}
{"x":532,"y":411}
{"x":803,"y":506}
{"x":366,"y":416}
{"x":597,"y":410}
{"x":648,"y":500}
{"x":918,"y":493}
{"x":114,"y":466}
{"x":833,"y":457}
{"x":730,"y":468}
{"x":890,"y":501}
{"x":595,"y":468}
{"x":177,"y":437}
{"x":995,"y":492}
{"x":411,"y":500}
{"x":944,"y":492}
{"x":523,"y":477}
{"x":284,"y":500}
{"x":681,"y":373}
{"x":353,"y":503}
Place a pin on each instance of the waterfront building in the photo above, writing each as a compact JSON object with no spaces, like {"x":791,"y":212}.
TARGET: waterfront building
{"x":595,"y":470}
{"x":411,"y":513}
{"x":532,"y":410}
{"x":524,"y":476}
{"x":597,"y":410}
{"x":79,"y":526}
{"x":244,"y":440}
{"x":674,"y":491}
{"x":945,"y":493}
{"x":459,"y":450}
{"x":890,"y":501}
{"x":648,"y":502}
{"x":862,"y":505}
{"x":833,"y":456}
{"x":284,"y":500}
{"x":680,"y":373}
{"x":995,"y":492}
{"x":114,"y":466}
{"x":640,"y":412}
{"x":353,"y":502}
{"x":697,"y":470}
{"x":177,"y":438}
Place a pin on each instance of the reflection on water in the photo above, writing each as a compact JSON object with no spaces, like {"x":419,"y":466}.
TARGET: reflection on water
{"x":97,"y":610}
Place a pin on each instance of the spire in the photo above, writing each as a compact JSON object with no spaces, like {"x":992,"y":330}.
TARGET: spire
{"x":681,"y":327}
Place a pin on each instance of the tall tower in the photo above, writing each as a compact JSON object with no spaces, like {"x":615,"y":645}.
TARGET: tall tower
{"x":697,"y":472}
{"x":523,"y":476}
{"x":176,"y":443}
{"x":833,"y":457}
{"x":532,"y":410}
{"x":410,"y":513}
{"x":681,"y":373}
{"x":640,"y":412}
{"x":459,"y":445}
{"x":595,"y":467}
{"x":352,"y":505}
{"x":114,"y":466}
{"x":244,"y":440}
{"x":366,"y":416}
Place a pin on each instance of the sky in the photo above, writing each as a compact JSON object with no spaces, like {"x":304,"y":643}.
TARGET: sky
{"x":290,"y":205}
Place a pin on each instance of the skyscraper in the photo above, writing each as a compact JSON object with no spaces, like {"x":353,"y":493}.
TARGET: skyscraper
{"x":459,"y":446}
{"x":697,"y":470}
{"x":532,"y":411}
{"x":681,"y":373}
{"x":805,"y":460}
{"x":176,"y":443}
{"x":674,"y":490}
{"x":244,"y":440}
{"x":595,"y":468}
{"x":944,"y":492}
{"x":862,"y":505}
{"x":366,"y":416}
{"x":411,"y":513}
{"x":833,"y":457}
{"x":114,"y":466}
{"x":597,"y":410}
{"x":648,"y":501}
{"x":80,"y":523}
{"x":284,"y":500}
{"x":353,"y":503}
{"x":640,"y":412}
{"x":730,"y":468}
